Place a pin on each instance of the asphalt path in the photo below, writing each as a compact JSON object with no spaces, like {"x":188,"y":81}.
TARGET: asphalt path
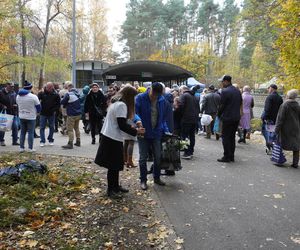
{"x":249,"y":204}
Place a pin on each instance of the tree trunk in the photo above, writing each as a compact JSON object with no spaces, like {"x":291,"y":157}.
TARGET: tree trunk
{"x":21,"y":6}
{"x":42,"y":66}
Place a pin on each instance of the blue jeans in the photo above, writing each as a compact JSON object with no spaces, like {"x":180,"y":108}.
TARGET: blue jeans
{"x":27,"y":126}
{"x":14,"y":130}
{"x":144,"y":145}
{"x":43,"y":123}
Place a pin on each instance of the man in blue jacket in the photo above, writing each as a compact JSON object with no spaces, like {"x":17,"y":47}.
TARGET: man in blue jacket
{"x":150,"y":107}
{"x":229,"y":113}
{"x":71,"y":102}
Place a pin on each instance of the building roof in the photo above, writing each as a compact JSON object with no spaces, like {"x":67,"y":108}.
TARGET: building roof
{"x":145,"y":71}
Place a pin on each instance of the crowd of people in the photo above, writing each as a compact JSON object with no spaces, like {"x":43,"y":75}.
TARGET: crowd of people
{"x":129,"y":113}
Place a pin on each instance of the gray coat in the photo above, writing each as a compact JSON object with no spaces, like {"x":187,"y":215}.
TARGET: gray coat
{"x":288,"y":125}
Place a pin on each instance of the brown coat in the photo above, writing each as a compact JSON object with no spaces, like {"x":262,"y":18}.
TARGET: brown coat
{"x":288,"y":125}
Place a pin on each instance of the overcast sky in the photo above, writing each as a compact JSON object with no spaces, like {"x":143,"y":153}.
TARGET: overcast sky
{"x":117,"y":14}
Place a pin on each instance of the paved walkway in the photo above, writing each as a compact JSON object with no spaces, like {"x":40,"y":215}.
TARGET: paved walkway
{"x":86,"y":149}
{"x":249,"y":204}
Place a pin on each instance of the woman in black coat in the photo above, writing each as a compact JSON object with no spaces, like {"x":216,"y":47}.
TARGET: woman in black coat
{"x":110,"y":151}
{"x":95,"y":108}
{"x":288,"y":126}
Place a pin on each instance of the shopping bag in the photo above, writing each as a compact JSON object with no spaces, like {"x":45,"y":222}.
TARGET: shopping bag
{"x":217,"y":126}
{"x":206,"y":120}
{"x":278,"y":156}
{"x":6,"y":121}
{"x":170,"y":153}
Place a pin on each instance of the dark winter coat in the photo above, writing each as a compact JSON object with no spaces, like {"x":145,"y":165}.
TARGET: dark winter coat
{"x":230,"y":107}
{"x":95,"y":105}
{"x":210,"y":103}
{"x":50,"y":102}
{"x":272,"y":104}
{"x":288,"y":125}
{"x":189,"y":108}
{"x":169,"y":112}
{"x":8,"y":100}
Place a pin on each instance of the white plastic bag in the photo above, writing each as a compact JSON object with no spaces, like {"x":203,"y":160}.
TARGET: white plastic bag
{"x":6,"y":121}
{"x":206,"y":120}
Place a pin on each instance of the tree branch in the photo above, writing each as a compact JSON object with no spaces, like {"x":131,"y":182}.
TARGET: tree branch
{"x":9,"y":64}
{"x":36,"y":24}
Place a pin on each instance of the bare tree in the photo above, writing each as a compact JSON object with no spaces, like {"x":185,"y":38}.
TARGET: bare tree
{"x":53,"y":10}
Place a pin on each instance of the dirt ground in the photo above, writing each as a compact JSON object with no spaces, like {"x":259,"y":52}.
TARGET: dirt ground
{"x":67,"y":208}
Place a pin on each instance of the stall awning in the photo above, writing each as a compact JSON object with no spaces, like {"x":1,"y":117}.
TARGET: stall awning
{"x":145,"y":71}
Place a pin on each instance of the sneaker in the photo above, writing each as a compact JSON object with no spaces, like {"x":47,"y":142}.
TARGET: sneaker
{"x":16,"y":144}
{"x":22,"y":150}
{"x":31,"y":150}
{"x":186,"y":156}
{"x":51,"y":143}
{"x":42,"y":144}
{"x":2,"y":143}
{"x":200,"y":132}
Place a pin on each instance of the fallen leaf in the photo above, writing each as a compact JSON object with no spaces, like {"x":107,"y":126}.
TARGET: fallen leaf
{"x":37,"y":224}
{"x":32,"y":243}
{"x":296,"y":239}
{"x":108,"y":245}
{"x":179,"y":241}
{"x":278,"y":196}
{"x":66,"y":225}
{"x":125,"y":209}
{"x":131,"y":231}
{"x":95,"y":190}
{"x":22,"y":243}
{"x":27,"y":233}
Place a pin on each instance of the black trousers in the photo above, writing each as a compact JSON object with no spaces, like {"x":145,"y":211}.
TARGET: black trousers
{"x":95,"y":126}
{"x":188,"y":131}
{"x":112,"y":180}
{"x":228,"y":135}
{"x":295,"y":158}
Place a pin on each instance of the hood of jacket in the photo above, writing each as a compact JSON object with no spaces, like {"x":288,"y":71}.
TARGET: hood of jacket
{"x":169,"y":97}
{"x":75,"y":91}
{"x":23,"y":92}
{"x":85,"y":90}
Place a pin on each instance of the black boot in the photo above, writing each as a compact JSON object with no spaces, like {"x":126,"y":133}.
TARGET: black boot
{"x":244,"y":135}
{"x":93,"y":141}
{"x":77,"y":143}
{"x":68,"y":146}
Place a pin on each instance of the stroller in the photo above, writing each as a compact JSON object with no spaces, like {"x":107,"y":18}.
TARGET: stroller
{"x":170,"y":155}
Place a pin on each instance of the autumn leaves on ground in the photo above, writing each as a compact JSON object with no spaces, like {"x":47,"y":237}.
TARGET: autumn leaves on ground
{"x":67,"y":209}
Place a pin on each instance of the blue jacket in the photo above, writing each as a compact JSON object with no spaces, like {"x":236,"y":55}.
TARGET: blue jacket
{"x":143,"y":110}
{"x":72,"y":103}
